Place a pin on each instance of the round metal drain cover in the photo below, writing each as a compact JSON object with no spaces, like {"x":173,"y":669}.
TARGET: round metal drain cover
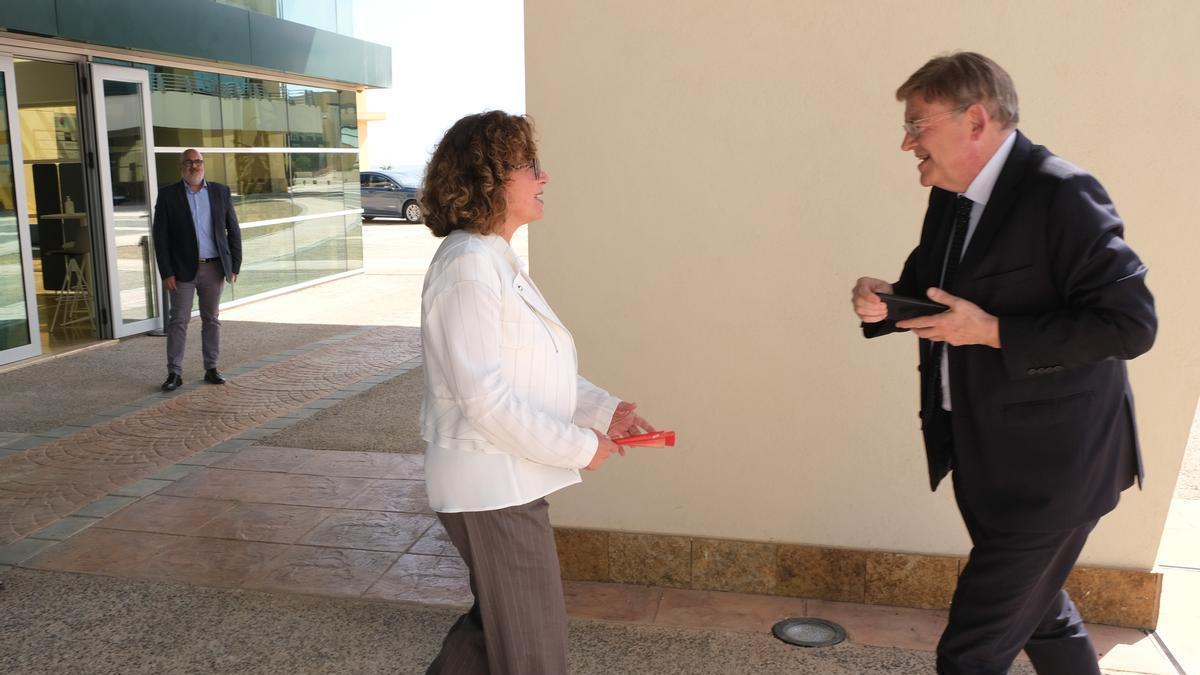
{"x":809,"y":632}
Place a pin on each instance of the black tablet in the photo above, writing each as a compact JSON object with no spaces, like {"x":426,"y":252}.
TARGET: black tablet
{"x":901,"y":308}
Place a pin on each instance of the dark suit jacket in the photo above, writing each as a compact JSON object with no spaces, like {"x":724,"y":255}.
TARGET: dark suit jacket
{"x":175,"y":244}
{"x":1043,"y":428}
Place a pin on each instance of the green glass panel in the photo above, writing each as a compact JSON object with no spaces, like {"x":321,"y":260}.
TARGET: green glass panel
{"x":14,"y":320}
{"x":254,"y":112}
{"x":186,"y":107}
{"x":316,"y":182}
{"x":354,"y":242}
{"x":349,"y":111}
{"x":268,"y":259}
{"x":350,"y":185}
{"x":258,"y":181}
{"x":314,"y":117}
{"x":320,"y":247}
{"x":266,"y":7}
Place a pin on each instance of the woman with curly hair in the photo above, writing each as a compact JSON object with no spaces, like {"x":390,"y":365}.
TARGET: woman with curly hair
{"x":507,"y":419}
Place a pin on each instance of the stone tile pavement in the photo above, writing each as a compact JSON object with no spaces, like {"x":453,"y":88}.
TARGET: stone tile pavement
{"x":54,"y":474}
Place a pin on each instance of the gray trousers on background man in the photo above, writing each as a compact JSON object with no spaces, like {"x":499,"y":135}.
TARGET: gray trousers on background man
{"x":209,"y":282}
{"x":518,"y":623}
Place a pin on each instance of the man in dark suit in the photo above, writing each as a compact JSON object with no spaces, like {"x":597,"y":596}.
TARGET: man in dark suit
{"x":198,"y":245}
{"x":1024,"y":391}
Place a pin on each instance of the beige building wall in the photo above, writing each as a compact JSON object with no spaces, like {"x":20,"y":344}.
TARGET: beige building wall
{"x":722,"y":172}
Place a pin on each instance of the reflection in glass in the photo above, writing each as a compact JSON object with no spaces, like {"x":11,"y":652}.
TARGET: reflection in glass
{"x":131,"y":204}
{"x":349,"y":111}
{"x":317,"y":183}
{"x":314,"y":117}
{"x":259,"y":185}
{"x":353,"y":193}
{"x":186,"y":107}
{"x":14,"y":320}
{"x":254,"y":112}
{"x":354,"y":242}
{"x":320,"y":247}
{"x":268,"y":259}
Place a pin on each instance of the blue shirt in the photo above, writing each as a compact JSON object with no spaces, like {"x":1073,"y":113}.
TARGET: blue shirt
{"x":202,"y":219}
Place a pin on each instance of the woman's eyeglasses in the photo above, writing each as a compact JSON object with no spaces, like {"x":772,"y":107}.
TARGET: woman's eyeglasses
{"x":535,"y":165}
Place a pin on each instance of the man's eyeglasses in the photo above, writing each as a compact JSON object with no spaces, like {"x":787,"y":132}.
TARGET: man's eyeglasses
{"x":914,"y":127}
{"x":535,"y":165}
{"x":192,"y":162}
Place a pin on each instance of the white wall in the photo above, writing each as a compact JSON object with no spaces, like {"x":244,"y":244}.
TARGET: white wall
{"x":722,"y":172}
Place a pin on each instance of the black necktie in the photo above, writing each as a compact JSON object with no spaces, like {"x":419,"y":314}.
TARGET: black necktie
{"x":958,"y":236}
{"x":962,"y":220}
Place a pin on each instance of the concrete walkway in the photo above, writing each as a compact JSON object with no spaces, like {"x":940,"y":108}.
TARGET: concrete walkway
{"x":159,"y":538}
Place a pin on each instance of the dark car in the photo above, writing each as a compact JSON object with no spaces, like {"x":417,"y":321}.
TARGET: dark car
{"x":390,"y":194}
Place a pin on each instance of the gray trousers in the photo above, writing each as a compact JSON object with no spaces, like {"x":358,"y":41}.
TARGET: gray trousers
{"x":209,"y":282}
{"x":518,"y":624}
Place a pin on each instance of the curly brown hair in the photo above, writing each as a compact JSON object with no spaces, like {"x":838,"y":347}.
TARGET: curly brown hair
{"x":464,"y":182}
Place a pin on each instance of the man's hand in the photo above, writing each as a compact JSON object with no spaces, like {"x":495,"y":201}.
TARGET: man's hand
{"x":867,"y":305}
{"x":626,"y":422}
{"x":963,"y":324}
{"x":233,"y":278}
{"x":169,"y":282}
{"x":605,"y":450}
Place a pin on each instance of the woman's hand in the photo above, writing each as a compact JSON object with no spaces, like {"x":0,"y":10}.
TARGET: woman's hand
{"x":603,"y":451}
{"x":626,"y":422}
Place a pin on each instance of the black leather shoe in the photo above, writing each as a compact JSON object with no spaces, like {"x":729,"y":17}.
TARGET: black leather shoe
{"x":213,"y":376}
{"x":173,"y":382}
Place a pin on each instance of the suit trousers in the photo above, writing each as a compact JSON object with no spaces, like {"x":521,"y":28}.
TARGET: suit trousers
{"x":518,"y":622}
{"x":1010,"y":597}
{"x":209,"y":283}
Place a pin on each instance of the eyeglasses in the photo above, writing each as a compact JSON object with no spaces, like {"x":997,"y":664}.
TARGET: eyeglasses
{"x":191,"y":162}
{"x":535,"y":165}
{"x":913,"y":129}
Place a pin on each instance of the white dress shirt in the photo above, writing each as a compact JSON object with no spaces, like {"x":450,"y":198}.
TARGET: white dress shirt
{"x":979,"y":192}
{"x":506,"y":416}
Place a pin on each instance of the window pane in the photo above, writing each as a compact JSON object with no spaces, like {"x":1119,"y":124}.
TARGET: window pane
{"x":268,"y":259}
{"x":186,"y":107}
{"x":14,"y":322}
{"x":254,"y":112}
{"x":316,"y":183}
{"x":353,"y":194}
{"x":259,"y":185}
{"x":320,"y":247}
{"x":354,"y":241}
{"x":349,"y":113}
{"x":314,"y":117}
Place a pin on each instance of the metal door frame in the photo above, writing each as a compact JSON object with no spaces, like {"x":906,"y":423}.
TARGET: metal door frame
{"x":34,"y":348}
{"x":99,"y":74}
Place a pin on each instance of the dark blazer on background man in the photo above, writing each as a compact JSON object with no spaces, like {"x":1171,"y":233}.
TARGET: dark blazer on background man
{"x":1043,"y":428}
{"x":175,"y":244}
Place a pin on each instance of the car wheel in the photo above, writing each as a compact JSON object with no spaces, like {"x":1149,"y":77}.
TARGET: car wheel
{"x":367,"y":219}
{"x":412,"y":212}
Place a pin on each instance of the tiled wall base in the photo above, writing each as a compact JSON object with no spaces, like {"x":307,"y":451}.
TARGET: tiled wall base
{"x":1109,"y":596}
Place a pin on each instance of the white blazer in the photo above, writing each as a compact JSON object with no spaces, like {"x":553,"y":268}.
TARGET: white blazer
{"x":506,"y":416}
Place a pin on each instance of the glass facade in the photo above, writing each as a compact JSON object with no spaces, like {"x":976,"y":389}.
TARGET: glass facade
{"x":335,"y":16}
{"x":288,"y":154}
{"x":14,"y":324}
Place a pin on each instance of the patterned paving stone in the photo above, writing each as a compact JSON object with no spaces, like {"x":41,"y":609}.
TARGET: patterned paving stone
{"x":60,"y":475}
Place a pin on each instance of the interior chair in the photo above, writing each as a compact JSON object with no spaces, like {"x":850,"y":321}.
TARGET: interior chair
{"x":75,"y":296}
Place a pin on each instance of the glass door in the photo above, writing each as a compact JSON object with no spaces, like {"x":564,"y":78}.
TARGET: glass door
{"x":125,"y":147}
{"x":18,"y":302}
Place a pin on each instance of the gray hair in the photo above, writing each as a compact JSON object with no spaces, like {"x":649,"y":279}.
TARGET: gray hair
{"x":964,"y":79}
